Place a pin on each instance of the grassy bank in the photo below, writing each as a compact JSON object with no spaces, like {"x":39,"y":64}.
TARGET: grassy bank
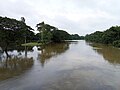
{"x":32,"y":44}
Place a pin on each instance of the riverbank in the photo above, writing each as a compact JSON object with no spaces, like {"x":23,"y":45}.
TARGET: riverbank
{"x":32,"y":44}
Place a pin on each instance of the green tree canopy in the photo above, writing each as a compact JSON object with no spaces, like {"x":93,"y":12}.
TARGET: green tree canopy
{"x":110,"y":36}
{"x":13,"y":31}
{"x":51,"y":33}
{"x":45,"y":31}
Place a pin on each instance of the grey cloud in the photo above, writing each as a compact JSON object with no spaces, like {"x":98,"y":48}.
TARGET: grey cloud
{"x":75,"y":16}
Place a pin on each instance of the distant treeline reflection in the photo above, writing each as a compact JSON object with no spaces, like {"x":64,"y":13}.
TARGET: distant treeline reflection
{"x":109,"y":53}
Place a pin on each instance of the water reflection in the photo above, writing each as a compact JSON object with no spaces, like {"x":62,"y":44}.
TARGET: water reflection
{"x":22,"y":58}
{"x":109,"y":53}
{"x":14,"y":66}
{"x":16,"y":63}
{"x":1,"y":54}
{"x":72,"y":67}
{"x":52,"y":50}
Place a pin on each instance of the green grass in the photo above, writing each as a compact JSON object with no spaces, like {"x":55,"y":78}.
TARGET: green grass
{"x":32,"y":44}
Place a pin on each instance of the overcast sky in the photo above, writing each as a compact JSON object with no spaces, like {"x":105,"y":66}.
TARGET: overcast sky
{"x":74,"y":16}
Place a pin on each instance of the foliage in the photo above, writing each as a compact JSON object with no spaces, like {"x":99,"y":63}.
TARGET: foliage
{"x":76,"y":37}
{"x":110,"y":36}
{"x":95,"y":37}
{"x":13,"y":31}
{"x":48,"y":33}
{"x":60,"y":35}
{"x":45,"y":31}
{"x":116,"y":43}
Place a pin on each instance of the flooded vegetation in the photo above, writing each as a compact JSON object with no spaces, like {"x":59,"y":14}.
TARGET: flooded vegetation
{"x":13,"y":63}
{"x":64,"y":66}
{"x":14,"y":66}
{"x":54,"y":45}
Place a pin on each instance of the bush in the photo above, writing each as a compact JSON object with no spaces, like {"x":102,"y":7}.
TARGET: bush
{"x":116,"y":43}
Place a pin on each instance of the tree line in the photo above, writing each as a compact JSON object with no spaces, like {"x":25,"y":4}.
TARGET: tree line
{"x":50,"y":33}
{"x":16,"y":32}
{"x":110,"y":36}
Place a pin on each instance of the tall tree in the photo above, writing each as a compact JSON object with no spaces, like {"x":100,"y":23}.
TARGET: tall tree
{"x":23,"y":20}
{"x":12,"y":32}
{"x":45,"y":31}
{"x":41,"y":29}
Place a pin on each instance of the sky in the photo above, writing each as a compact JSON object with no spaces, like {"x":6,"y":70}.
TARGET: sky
{"x":74,"y":16}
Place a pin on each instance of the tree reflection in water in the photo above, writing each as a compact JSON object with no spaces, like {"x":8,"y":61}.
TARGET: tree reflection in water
{"x":51,"y":50}
{"x":14,"y":65}
{"x":109,"y":53}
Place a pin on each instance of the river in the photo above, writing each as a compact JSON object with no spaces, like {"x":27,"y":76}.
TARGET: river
{"x":76,"y":65}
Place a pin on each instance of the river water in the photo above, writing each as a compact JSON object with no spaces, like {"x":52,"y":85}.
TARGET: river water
{"x":67,"y":66}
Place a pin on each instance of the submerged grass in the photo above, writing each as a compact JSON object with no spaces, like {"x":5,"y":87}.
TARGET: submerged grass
{"x":13,"y":67}
{"x":32,"y":44}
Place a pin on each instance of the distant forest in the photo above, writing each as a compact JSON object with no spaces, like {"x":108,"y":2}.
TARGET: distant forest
{"x":110,"y":36}
{"x":15,"y":32}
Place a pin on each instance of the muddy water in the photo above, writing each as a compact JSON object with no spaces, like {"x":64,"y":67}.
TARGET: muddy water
{"x":68,"y":66}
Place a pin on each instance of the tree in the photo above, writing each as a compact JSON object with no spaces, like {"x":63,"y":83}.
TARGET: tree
{"x":50,"y":33}
{"x":41,"y":29}
{"x":12,"y":32}
{"x":23,"y":20}
{"x":45,"y":31}
{"x":60,"y":35}
{"x":76,"y":37}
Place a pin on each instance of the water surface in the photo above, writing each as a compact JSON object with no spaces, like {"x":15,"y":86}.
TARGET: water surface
{"x":68,"y":66}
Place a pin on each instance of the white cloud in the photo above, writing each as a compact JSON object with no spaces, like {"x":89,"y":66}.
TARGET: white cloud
{"x":75,"y":16}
